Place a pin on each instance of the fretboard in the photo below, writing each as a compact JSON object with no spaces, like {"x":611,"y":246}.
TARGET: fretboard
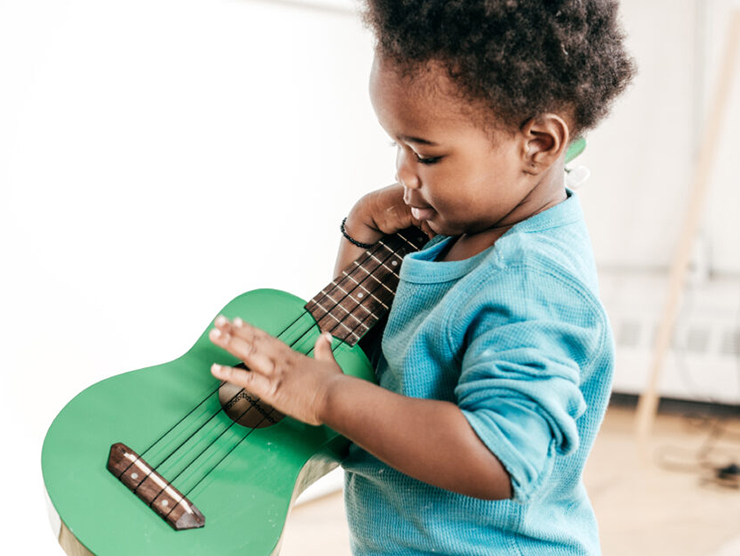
{"x":363,"y":293}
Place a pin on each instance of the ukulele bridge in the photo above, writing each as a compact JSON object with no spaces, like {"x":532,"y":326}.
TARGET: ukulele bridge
{"x":157,"y":493}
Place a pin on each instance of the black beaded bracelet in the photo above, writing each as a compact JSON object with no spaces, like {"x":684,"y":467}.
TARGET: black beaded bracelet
{"x":352,"y":240}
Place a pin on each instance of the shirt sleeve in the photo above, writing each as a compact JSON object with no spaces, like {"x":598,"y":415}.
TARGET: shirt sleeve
{"x":529,"y":338}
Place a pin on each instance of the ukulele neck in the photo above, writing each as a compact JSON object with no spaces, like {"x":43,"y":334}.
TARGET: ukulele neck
{"x":363,"y":292}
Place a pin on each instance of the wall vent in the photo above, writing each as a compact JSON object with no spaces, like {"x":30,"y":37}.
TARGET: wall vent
{"x":731,"y":343}
{"x":703,"y":360}
{"x":628,"y":333}
{"x":697,"y":339}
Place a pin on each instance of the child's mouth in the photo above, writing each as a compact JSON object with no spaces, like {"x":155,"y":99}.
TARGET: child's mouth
{"x":425,"y":213}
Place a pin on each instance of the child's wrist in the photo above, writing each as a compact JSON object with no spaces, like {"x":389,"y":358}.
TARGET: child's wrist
{"x":325,"y":412}
{"x":356,"y":229}
{"x":352,"y":240}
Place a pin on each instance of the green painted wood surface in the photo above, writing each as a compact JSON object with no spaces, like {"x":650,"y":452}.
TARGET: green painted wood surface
{"x":246,"y":498}
{"x":575,"y":149}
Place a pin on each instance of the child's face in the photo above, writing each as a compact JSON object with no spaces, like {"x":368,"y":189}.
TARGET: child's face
{"x":457,"y":176}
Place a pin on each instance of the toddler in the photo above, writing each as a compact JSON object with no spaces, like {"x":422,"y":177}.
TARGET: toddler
{"x":495,"y":364}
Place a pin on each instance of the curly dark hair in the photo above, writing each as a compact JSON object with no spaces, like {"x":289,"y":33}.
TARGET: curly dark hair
{"x":520,"y":58}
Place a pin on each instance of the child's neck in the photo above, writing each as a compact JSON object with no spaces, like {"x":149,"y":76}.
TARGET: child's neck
{"x":468,"y":245}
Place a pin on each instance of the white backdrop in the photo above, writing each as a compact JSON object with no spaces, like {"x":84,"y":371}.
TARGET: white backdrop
{"x":158,"y":158}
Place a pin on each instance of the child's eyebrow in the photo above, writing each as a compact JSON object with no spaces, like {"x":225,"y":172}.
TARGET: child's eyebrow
{"x":417,"y":140}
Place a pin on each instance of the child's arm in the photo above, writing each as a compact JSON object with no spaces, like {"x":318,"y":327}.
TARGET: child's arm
{"x":378,"y":213}
{"x":429,"y":440}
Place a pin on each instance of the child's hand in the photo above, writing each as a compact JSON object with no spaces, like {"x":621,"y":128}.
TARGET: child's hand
{"x":381,"y":212}
{"x":375,"y":215}
{"x":291,"y":382}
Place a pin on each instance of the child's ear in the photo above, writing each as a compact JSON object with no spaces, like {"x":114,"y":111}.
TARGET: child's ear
{"x":546,"y":140}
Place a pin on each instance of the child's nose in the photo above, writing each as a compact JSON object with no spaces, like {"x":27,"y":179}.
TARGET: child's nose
{"x":405,"y":171}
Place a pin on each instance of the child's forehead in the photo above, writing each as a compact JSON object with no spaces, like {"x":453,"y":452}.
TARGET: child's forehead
{"x":425,"y":79}
{"x":427,"y":87}
{"x":423,"y":95}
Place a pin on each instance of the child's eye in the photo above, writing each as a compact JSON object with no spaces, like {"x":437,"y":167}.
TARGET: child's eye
{"x":419,"y":158}
{"x":430,"y":160}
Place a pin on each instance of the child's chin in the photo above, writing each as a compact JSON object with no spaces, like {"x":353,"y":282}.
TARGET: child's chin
{"x":441,"y":228}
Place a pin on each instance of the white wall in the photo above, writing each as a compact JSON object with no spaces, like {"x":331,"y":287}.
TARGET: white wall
{"x":158,"y":158}
{"x":722,"y":225}
{"x":642,"y":158}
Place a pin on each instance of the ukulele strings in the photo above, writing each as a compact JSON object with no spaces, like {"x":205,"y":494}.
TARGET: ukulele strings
{"x":300,"y":338}
{"x":374,"y":289}
{"x":236,"y":444}
{"x":204,"y":400}
{"x":253,"y":405}
{"x":199,"y":428}
{"x":352,"y":285}
{"x":154,"y":468}
{"x":266,"y":416}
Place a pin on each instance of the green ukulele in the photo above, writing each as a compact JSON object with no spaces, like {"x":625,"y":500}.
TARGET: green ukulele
{"x":168,"y":460}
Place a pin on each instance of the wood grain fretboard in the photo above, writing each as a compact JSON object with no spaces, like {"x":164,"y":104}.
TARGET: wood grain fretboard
{"x":363,"y":293}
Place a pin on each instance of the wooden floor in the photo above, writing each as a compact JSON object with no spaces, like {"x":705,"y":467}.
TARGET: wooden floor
{"x":664,"y":503}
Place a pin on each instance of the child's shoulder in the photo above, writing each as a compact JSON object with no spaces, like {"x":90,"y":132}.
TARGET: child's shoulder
{"x":546,"y":258}
{"x":555,"y":241}
{"x":544,"y":265}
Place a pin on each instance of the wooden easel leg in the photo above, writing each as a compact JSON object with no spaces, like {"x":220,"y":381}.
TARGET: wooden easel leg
{"x":648,"y":403}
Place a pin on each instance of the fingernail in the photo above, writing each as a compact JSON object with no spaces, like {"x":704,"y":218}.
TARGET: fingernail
{"x":328,"y":336}
{"x":238,"y":322}
{"x":215,"y":333}
{"x":216,"y":368}
{"x":220,"y":320}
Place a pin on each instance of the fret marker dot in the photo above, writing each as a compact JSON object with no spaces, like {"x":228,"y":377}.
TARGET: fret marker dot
{"x":360,"y":295}
{"x":394,"y":263}
{"x":134,"y":475}
{"x":165,"y":502}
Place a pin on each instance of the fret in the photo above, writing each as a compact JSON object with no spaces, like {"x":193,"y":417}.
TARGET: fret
{"x":381,"y":264}
{"x":358,"y":273}
{"x":331,"y":326}
{"x":411,"y":246}
{"x":381,"y":291}
{"x":394,"y":254}
{"x":392,"y":251}
{"x":368,"y":292}
{"x":365,"y":289}
{"x":360,"y":301}
{"x":326,"y":325}
{"x":348,"y":304}
{"x":340,"y":322}
{"x":348,"y":294}
{"x":338,"y":304}
{"x":330,"y":323}
{"x":369,"y":275}
{"x":351,"y":275}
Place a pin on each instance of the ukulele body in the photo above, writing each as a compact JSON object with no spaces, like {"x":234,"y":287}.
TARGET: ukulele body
{"x":243,"y":479}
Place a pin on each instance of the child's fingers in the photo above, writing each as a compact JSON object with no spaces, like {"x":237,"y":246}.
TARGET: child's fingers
{"x":253,"y":382}
{"x":237,"y":327}
{"x":223,"y":324}
{"x":256,"y":348}
{"x":322,"y":348}
{"x":253,"y":355}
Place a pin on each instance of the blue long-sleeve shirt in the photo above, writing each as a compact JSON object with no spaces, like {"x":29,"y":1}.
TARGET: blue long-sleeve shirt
{"x":516,"y":336}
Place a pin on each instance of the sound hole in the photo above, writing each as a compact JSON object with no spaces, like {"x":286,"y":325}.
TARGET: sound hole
{"x":245,"y":408}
